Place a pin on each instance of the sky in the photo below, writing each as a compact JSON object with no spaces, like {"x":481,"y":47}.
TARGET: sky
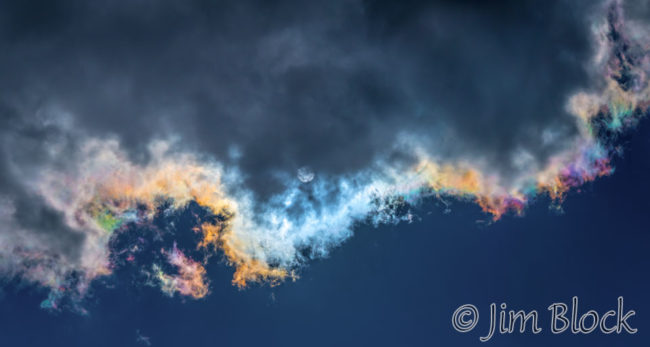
{"x":317,"y":173}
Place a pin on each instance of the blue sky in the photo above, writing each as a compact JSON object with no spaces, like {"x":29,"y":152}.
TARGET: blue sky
{"x":396,"y":285}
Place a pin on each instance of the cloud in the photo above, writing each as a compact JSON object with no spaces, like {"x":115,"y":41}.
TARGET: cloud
{"x":294,"y":84}
{"x":156,"y":135}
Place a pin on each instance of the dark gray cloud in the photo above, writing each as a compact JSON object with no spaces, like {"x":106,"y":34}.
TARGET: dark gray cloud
{"x":293,"y":83}
{"x":26,"y":147}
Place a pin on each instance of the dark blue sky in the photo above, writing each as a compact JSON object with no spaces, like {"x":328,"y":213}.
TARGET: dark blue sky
{"x":397,"y":285}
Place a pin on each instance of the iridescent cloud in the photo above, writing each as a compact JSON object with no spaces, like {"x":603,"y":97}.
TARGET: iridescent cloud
{"x":105,"y":196}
